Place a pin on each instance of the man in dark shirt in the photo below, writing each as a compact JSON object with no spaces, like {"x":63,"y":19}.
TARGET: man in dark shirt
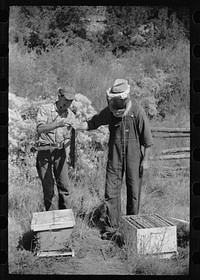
{"x":129,"y":143}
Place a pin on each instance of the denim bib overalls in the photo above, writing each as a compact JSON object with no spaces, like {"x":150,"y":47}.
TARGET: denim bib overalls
{"x":124,"y":156}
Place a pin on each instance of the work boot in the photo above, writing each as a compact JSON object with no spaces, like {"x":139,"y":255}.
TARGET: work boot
{"x":114,"y":235}
{"x":108,"y":232}
{"x":118,"y":239}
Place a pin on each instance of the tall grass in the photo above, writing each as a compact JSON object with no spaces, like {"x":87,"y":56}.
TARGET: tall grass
{"x":35,"y":75}
{"x":25,"y":193}
{"x":164,"y":191}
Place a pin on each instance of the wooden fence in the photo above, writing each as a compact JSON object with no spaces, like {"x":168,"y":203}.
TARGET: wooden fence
{"x":175,"y":153}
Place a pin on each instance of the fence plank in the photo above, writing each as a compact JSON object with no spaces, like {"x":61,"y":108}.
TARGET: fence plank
{"x":175,"y":150}
{"x":169,"y":154}
{"x":169,"y":157}
{"x":170,"y":135}
{"x":169,"y":129}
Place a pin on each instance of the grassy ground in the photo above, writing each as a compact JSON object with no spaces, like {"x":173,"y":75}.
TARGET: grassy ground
{"x":96,"y":256}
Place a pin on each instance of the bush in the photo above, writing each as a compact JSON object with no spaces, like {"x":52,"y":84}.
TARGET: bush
{"x":171,"y":68}
{"x":161,"y":73}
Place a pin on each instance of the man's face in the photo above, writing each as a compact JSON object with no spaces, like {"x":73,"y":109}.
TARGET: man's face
{"x":63,"y":104}
{"x":117,"y":106}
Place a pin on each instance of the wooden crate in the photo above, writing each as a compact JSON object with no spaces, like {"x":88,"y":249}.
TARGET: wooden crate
{"x":150,"y":235}
{"x":53,"y":230}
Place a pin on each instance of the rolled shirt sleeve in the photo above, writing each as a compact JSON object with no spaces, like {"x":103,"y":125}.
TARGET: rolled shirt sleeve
{"x":45,"y":115}
{"x":42,"y":116}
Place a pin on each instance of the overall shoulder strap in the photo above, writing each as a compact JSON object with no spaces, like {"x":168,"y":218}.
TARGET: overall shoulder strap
{"x":134,"y":113}
{"x":134,"y":110}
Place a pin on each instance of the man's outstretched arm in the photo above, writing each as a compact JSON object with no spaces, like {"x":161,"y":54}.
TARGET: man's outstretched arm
{"x":82,"y":126}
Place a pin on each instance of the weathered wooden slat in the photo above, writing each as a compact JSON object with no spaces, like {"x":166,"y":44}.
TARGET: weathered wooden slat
{"x":49,"y":226}
{"x":175,"y":150}
{"x":169,"y":129}
{"x":170,"y":135}
{"x":175,"y":169}
{"x":55,"y":254}
{"x":169,"y":157}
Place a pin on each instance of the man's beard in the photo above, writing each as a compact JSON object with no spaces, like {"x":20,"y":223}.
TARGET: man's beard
{"x":121,"y":112}
{"x":118,"y":113}
{"x":118,"y":107}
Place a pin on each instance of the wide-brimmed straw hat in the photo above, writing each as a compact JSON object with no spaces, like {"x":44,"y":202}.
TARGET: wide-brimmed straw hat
{"x":119,"y":86}
{"x":120,"y":89}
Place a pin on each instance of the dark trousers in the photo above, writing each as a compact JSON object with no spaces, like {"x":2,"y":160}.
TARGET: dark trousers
{"x":123,"y":158}
{"x":51,"y":165}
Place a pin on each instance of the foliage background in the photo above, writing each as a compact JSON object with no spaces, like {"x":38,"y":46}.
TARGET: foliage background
{"x":89,"y":46}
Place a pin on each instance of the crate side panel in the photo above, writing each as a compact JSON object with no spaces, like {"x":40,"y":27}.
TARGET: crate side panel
{"x":48,"y":227}
{"x":157,"y":240}
{"x":130,"y":234}
{"x":54,"y":239}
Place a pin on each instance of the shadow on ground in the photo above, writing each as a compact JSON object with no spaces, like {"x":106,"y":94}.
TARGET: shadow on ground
{"x":28,"y":241}
{"x":98,"y":218}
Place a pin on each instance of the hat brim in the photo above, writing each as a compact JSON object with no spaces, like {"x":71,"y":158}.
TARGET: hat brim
{"x":69,"y":96}
{"x":122,"y":95}
{"x":67,"y":92}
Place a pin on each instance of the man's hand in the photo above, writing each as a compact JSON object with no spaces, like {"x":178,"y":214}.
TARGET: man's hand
{"x":64,"y":122}
{"x":145,"y":164}
{"x":82,"y":126}
{"x":73,"y":123}
{"x":45,"y":128}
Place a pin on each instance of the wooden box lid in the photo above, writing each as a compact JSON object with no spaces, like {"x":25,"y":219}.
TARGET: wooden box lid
{"x":49,"y":220}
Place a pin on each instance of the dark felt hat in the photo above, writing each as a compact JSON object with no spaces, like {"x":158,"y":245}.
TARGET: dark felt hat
{"x":67,"y":92}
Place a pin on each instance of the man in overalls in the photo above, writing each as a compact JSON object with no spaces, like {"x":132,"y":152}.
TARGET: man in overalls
{"x":129,"y":143}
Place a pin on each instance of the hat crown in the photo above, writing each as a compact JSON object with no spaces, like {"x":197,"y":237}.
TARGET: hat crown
{"x":67,"y":92}
{"x":119,"y":86}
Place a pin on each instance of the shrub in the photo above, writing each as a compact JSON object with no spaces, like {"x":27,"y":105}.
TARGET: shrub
{"x":171,"y":68}
{"x":165,"y":70}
